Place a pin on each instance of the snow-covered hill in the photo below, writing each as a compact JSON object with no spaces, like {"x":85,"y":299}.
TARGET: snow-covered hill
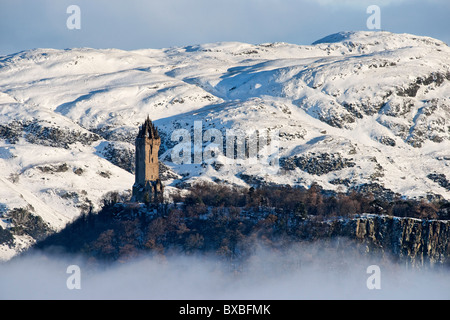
{"x":356,"y":110}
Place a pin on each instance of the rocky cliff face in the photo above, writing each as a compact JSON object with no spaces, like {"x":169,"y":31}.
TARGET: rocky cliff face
{"x":415,"y":242}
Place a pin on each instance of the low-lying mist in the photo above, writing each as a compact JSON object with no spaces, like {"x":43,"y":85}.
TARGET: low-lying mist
{"x":303,"y":271}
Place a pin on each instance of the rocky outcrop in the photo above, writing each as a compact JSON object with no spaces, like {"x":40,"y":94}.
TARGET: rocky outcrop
{"x":44,"y":133}
{"x":118,"y":153}
{"x":415,"y":242}
{"x":317,"y":164}
{"x":440,"y":179}
{"x":420,"y":242}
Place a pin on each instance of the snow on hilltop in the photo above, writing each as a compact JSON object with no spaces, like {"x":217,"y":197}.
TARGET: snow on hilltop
{"x":379,"y":40}
{"x":356,"y":110}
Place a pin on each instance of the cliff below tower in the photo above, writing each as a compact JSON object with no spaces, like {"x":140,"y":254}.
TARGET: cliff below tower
{"x":415,"y":242}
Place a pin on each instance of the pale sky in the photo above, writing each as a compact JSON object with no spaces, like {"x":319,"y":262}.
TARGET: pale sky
{"x":136,"y":24}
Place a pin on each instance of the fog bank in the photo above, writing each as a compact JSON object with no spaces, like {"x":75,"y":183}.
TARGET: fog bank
{"x":301,"y":272}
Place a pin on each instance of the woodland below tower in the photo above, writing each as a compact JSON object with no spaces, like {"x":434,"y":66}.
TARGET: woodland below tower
{"x":147,"y":186}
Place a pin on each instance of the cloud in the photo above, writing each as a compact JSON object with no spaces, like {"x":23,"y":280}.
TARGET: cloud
{"x":307,"y":271}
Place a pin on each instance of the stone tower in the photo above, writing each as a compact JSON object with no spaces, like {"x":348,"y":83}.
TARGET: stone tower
{"x":147,"y":186}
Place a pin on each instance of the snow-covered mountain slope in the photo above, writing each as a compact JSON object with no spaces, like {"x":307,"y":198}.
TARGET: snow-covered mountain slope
{"x":354,"y":110}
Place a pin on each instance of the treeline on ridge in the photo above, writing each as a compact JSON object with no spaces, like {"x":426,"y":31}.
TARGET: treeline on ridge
{"x":226,"y":221}
{"x":307,"y":202}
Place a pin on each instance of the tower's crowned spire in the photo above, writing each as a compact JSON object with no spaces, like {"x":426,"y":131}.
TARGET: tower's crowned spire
{"x":148,"y":130}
